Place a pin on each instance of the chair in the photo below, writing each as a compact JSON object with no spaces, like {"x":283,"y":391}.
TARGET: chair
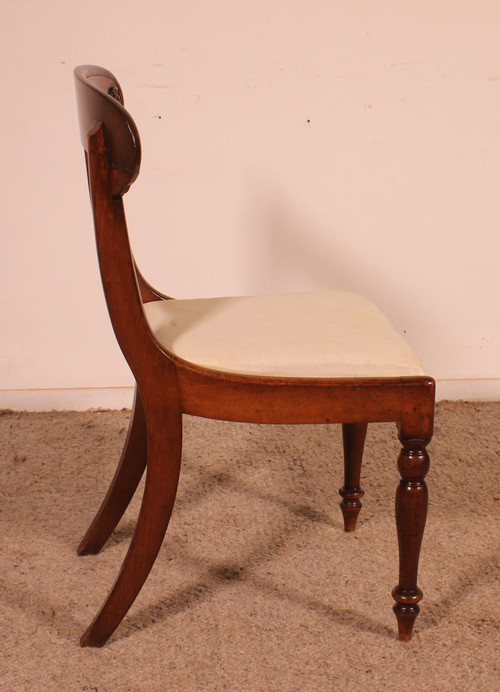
{"x":238,"y":359}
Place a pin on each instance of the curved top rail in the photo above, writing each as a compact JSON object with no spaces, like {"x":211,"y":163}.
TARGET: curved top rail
{"x":100,"y":99}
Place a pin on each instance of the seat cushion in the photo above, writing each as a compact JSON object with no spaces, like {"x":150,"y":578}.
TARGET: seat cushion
{"x":313,"y":334}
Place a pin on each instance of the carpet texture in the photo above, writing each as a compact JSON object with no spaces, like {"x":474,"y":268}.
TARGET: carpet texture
{"x":256,"y":587}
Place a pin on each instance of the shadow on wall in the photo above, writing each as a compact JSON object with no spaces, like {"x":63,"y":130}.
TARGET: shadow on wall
{"x":284,"y":251}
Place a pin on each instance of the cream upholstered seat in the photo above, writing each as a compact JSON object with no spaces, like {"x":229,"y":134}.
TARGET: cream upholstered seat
{"x":313,"y":334}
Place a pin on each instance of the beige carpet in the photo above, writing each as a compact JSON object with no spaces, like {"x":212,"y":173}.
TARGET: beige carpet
{"x":257,"y":587}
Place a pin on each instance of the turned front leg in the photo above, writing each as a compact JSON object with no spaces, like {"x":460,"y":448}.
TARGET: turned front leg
{"x":353,"y":436}
{"x":411,"y":514}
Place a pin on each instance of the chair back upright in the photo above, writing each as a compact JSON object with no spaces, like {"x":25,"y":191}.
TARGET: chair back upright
{"x":113,"y":153}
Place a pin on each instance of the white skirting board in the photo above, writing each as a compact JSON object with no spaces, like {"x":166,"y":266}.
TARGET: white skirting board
{"x":84,"y":399}
{"x":81,"y":399}
{"x":468,"y":390}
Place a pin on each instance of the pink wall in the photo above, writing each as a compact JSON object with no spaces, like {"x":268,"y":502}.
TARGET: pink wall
{"x":300,"y":145}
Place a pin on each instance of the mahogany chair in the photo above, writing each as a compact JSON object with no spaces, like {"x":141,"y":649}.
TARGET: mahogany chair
{"x":238,"y":359}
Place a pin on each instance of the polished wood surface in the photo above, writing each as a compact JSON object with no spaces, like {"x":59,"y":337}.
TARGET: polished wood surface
{"x":166,"y":387}
{"x":124,"y":484}
{"x":353,"y":437}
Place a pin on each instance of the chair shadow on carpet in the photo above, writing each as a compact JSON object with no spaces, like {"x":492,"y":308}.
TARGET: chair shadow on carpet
{"x":215,"y":576}
{"x":221,"y":576}
{"x":303,"y":506}
{"x":466,"y":582}
{"x":42,"y":608}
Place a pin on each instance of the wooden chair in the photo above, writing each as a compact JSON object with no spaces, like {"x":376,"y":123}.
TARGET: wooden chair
{"x":319,"y":357}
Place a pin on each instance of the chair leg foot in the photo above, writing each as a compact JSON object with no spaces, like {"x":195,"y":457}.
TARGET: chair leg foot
{"x":411,"y":514}
{"x":164,"y":457}
{"x":353,"y":435}
{"x":405,"y":615}
{"x":123,"y":486}
{"x":350,"y":514}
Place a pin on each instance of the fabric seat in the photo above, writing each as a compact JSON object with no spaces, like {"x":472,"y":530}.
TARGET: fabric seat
{"x":313,"y":334}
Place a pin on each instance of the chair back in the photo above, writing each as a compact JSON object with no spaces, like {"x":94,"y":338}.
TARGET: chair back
{"x":113,"y":154}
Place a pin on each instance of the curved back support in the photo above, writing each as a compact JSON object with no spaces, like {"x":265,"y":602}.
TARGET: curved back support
{"x":113,"y":152}
{"x":100,"y":99}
